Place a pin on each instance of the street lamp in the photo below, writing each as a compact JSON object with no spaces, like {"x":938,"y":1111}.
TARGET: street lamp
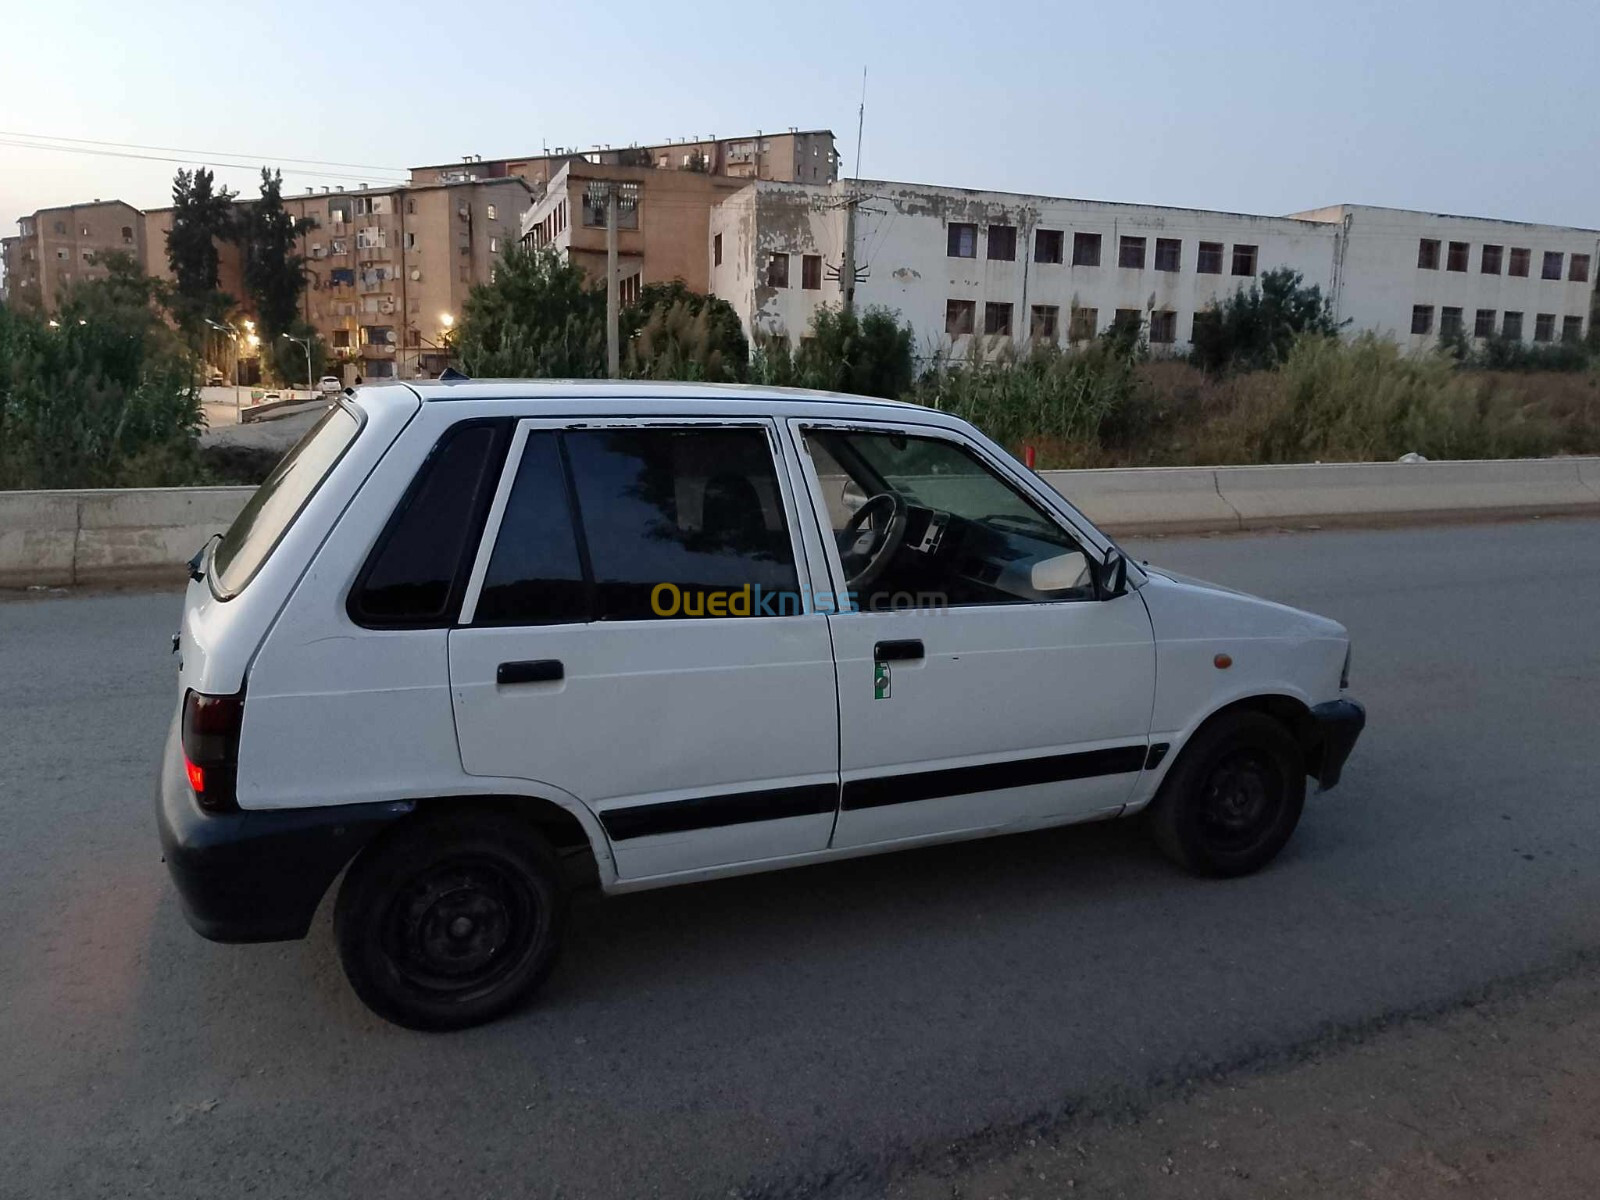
{"x":305,"y":344}
{"x":446,"y":320}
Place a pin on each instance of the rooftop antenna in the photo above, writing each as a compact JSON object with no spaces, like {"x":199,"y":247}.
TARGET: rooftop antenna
{"x":861,"y":120}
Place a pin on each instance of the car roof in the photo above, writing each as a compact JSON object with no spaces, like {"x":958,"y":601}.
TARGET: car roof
{"x":575,"y":392}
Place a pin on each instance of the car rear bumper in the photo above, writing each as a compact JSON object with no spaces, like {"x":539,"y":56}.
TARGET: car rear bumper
{"x":256,"y":876}
{"x":1339,"y":724}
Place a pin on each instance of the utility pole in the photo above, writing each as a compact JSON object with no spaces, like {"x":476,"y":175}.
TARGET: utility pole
{"x":847,"y":267}
{"x":613,"y":350}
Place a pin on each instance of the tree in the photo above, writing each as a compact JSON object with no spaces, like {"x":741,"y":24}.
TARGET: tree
{"x":201,"y":217}
{"x":869,"y":355}
{"x":274,"y":275}
{"x":102,"y":396}
{"x":539,"y":318}
{"x":673,"y":333}
{"x":1254,"y":330}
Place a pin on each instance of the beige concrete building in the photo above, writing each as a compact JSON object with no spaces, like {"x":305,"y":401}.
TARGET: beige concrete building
{"x":56,"y":247}
{"x":793,"y":156}
{"x":662,"y":222}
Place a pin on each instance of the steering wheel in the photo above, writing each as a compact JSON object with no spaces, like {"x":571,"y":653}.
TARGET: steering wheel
{"x":866,"y":553}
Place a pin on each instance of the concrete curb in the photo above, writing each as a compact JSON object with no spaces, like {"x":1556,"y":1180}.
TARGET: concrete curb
{"x":146,"y":535}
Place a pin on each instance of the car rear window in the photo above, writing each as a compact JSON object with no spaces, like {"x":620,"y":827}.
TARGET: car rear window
{"x":260,"y":526}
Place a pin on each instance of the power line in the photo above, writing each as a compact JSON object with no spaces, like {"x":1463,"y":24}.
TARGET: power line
{"x":315,"y":162}
{"x":242,"y":166}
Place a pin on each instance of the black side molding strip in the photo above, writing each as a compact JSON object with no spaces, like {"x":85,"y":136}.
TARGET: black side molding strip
{"x":962,"y":781}
{"x":705,"y":812}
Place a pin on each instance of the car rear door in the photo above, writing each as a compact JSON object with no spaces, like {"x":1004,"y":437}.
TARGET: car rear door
{"x":638,"y":633}
{"x":981,"y":683}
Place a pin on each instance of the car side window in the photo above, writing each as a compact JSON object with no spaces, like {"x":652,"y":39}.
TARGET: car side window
{"x":417,"y":572}
{"x":535,"y":575}
{"x":698,"y":510}
{"x":924,"y":522}
{"x":640,"y":524}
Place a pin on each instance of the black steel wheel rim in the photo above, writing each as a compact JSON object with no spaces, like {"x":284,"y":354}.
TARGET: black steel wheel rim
{"x":461,"y":926}
{"x":1240,"y":801}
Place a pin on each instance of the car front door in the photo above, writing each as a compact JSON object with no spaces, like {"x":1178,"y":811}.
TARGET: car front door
{"x":982,"y":683}
{"x":638,"y":632}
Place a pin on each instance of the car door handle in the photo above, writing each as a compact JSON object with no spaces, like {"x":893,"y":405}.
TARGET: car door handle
{"x":535,"y":670}
{"x":905,"y":650}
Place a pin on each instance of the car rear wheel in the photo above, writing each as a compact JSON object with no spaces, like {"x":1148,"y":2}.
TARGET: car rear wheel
{"x":450,"y":921}
{"x":1233,"y":798}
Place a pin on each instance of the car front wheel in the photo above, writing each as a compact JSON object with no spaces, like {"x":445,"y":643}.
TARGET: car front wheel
{"x":450,"y":921}
{"x":1233,"y":798}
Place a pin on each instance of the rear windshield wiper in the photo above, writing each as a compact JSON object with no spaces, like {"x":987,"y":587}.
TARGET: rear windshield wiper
{"x":197,"y":564}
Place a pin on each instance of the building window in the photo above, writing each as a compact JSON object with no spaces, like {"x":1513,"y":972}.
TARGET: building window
{"x":959,"y":316}
{"x":1169,"y":254}
{"x":1003,"y":243}
{"x":1421,"y":318}
{"x":997,"y":319}
{"x":1082,"y":324}
{"x":1086,"y":249}
{"x":494,"y":245}
{"x":1544,"y":327}
{"x":61,"y":228}
{"x":1047,"y":245}
{"x":716,"y":251}
{"x":628,"y":290}
{"x":341,"y":339}
{"x":1128,"y":320}
{"x":411,"y":207}
{"x":1571,"y":329}
{"x":1163,"y":328}
{"x":1449,"y":322}
{"x":1578,"y":271}
{"x":1491,"y":260}
{"x":1519,"y":261}
{"x":411,"y":241}
{"x":1208,"y":258}
{"x":491,"y":212}
{"x":778,"y":271}
{"x":1552,"y":265}
{"x":1043,"y":322}
{"x":1457,"y":260}
{"x":962,"y":241}
{"x":62,"y":254}
{"x":1511,"y":327}
{"x":339,"y":246}
{"x":1244,"y":260}
{"x":811,"y":272}
{"x":1428,"y":254}
{"x":1484,"y":325}
{"x":127,"y":234}
{"x":1130,"y":253}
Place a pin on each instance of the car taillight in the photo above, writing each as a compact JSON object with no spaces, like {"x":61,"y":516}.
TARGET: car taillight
{"x":211,"y":748}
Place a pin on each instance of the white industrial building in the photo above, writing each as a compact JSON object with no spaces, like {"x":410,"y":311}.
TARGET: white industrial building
{"x":961,"y":264}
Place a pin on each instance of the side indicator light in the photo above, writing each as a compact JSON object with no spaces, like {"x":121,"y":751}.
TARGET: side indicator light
{"x":1222,"y":662}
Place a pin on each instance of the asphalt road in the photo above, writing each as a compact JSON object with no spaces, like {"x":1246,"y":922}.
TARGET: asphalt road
{"x":813,"y":1030}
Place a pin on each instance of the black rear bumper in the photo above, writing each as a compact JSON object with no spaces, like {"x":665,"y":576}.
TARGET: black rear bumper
{"x":256,"y":876}
{"x":1339,"y":724}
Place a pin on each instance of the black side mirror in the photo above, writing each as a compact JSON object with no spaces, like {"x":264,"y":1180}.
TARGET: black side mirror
{"x":1111,"y":580}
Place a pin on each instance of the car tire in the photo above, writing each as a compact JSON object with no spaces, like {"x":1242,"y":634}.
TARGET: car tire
{"x":450,"y":920}
{"x":1233,"y":798}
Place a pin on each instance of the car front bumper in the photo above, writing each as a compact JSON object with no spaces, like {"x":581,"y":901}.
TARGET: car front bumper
{"x":1339,"y":724}
{"x":256,"y":876}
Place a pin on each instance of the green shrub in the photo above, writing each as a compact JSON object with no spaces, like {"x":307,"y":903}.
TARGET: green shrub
{"x":869,"y":355}
{"x":1255,"y":328}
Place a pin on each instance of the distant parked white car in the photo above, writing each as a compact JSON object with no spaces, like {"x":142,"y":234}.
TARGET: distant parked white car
{"x":483,"y":642}
{"x":330,"y":385}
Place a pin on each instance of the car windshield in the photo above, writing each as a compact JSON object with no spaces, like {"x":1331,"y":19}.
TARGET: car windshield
{"x":261,"y":524}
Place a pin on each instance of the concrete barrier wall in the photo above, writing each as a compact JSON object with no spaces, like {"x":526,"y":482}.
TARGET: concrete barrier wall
{"x":146,"y":535}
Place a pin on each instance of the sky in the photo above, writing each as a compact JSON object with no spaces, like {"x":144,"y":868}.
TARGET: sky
{"x":1467,"y":107}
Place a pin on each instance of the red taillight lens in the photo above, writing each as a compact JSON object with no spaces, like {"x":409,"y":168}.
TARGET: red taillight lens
{"x":211,"y":748}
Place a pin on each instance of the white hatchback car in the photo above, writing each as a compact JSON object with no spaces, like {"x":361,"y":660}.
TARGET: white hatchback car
{"x":483,"y":642}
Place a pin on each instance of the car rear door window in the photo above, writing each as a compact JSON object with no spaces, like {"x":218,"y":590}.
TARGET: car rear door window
{"x":698,"y":509}
{"x":535,"y":575}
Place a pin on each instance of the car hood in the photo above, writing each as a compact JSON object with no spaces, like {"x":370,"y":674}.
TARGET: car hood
{"x":1191,"y":581}
{"x":1183,"y":605}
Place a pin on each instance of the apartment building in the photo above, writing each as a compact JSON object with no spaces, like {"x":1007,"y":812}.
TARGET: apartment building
{"x":56,"y":247}
{"x":963,"y":265}
{"x":662,"y":222}
{"x":387,"y":269}
{"x":794,"y":156}
{"x":1422,"y":276}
